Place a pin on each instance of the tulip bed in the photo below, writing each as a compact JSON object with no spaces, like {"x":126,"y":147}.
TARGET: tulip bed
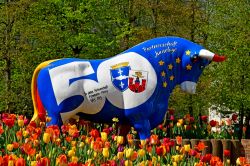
{"x":79,"y":143}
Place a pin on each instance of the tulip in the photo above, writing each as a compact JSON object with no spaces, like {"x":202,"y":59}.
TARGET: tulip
{"x":187,"y":148}
{"x":20,"y":162}
{"x":180,"y":121}
{"x":213,"y":123}
{"x":178,"y":124}
{"x":71,"y":153}
{"x":105,"y":152}
{"x":128,"y":152}
{"x":128,"y":163}
{"x":46,"y":138}
{"x":61,"y":160}
{"x":25,"y":133}
{"x":119,"y":140}
{"x":134,"y":156}
{"x":11,"y":163}
{"x":74,"y":159}
{"x":153,"y":139}
{"x":241,"y":161}
{"x":154,"y":160}
{"x":33,"y":163}
{"x":120,"y":155}
{"x":20,"y":122}
{"x":81,"y":145}
{"x":160,"y":150}
{"x":227,"y":153}
{"x":179,"y":140}
{"x":104,"y":136}
{"x":192,"y":152}
{"x":10,"y":147}
{"x":141,"y":152}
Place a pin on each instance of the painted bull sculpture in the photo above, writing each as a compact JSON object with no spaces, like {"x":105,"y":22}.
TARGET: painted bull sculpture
{"x":133,"y":86}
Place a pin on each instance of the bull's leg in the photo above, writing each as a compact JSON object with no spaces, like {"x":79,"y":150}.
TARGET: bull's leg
{"x":161,"y":111}
{"x":55,"y":119}
{"x":143,"y":128}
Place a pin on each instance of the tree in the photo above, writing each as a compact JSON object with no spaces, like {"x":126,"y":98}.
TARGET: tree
{"x":228,"y":31}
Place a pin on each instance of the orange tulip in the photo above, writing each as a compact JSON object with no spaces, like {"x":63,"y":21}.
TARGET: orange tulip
{"x":178,"y":140}
{"x":61,"y":160}
{"x":201,"y":146}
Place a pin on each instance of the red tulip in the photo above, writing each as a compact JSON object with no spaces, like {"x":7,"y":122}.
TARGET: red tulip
{"x":212,"y":123}
{"x":20,"y":162}
{"x":94,"y":133}
{"x":159,"y":150}
{"x":9,"y":122}
{"x":192,"y":152}
{"x":227,"y":153}
{"x":204,"y":118}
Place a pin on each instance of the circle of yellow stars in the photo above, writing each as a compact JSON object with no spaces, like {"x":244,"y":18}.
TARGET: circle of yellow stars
{"x":170,"y":67}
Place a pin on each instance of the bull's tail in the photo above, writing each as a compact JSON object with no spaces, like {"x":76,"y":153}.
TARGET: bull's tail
{"x":39,"y":110}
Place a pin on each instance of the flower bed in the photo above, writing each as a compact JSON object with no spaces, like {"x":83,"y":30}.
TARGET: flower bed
{"x":77,"y":144}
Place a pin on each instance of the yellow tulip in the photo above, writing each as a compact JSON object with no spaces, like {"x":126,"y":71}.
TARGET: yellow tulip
{"x":71,"y":153}
{"x":46,"y":138}
{"x":154,"y":160}
{"x":20,"y":122}
{"x":10,"y":147}
{"x":120,"y":155}
{"x":175,"y":163}
{"x":25,"y":133}
{"x":178,"y":124}
{"x":187,"y":148}
{"x":141,"y":152}
{"x":128,"y":163}
{"x":120,"y":140}
{"x":81,"y":145}
{"x":142,"y":163}
{"x":33,"y":163}
{"x":11,"y":163}
{"x":104,"y":136}
{"x":74,"y":159}
{"x":105,"y":152}
{"x":180,"y":121}
{"x":73,"y":143}
{"x":128,"y":152}
{"x":143,"y":142}
{"x":176,"y":158}
{"x":95,"y":154}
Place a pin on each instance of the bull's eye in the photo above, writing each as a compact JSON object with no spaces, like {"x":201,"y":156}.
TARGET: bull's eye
{"x":202,"y":67}
{"x":194,"y":58}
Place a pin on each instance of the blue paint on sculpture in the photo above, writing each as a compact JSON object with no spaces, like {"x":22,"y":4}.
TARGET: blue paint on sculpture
{"x":133,"y":86}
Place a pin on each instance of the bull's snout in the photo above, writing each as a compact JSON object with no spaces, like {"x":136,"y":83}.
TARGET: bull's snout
{"x":189,"y":87}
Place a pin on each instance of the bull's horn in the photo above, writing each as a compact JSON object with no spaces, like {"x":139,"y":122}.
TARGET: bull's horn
{"x":211,"y":56}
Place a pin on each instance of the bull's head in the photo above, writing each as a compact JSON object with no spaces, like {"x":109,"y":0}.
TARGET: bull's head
{"x":193,"y":63}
